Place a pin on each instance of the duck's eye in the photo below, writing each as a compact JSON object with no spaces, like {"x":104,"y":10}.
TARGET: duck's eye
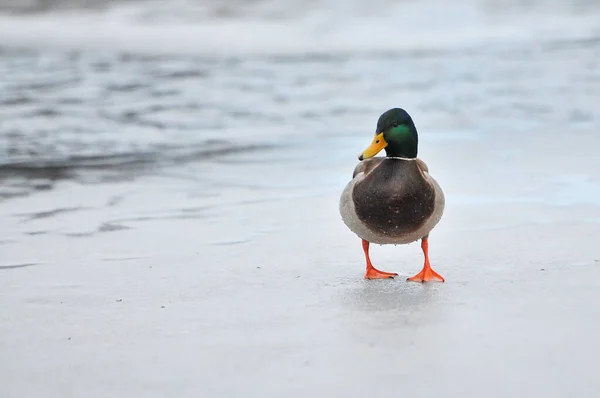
{"x":395,"y":124}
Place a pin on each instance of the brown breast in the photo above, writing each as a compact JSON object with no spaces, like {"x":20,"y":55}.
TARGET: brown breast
{"x":394,"y":198}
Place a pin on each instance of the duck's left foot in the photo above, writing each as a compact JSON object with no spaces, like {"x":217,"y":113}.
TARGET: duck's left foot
{"x":426,"y":275}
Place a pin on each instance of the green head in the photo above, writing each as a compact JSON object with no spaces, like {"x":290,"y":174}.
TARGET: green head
{"x":396,"y":132}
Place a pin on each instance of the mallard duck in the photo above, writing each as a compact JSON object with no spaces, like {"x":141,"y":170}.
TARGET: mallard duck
{"x":393,"y":199}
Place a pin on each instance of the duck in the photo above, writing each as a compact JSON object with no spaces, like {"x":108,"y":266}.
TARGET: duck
{"x":393,"y":199}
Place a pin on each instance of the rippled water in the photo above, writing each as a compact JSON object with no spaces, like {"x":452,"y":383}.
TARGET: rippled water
{"x":67,"y":114}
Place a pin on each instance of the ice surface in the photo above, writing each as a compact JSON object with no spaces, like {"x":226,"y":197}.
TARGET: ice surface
{"x":253,"y":287}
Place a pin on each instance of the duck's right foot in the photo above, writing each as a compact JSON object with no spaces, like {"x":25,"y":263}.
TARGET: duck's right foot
{"x":373,"y":273}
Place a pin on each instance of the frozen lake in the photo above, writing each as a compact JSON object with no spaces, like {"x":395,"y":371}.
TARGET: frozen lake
{"x":168,"y":207}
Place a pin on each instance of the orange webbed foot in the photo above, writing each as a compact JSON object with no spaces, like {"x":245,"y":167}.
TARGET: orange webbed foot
{"x":373,"y":273}
{"x":426,"y":275}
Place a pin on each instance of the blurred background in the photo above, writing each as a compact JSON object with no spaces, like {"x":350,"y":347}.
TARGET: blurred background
{"x":186,"y":157}
{"x":111,"y":89}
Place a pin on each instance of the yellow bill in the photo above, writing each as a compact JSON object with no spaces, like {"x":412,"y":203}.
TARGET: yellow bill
{"x":376,"y":146}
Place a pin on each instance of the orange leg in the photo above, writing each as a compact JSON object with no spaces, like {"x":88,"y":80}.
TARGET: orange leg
{"x":373,"y":273}
{"x":426,"y":274}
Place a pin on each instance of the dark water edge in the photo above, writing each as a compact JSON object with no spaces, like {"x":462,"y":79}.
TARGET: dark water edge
{"x":39,"y":6}
{"x":240,"y":7}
